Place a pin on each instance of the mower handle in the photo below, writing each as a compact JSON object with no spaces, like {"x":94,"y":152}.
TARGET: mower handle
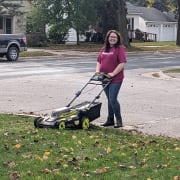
{"x":104,"y":79}
{"x":100,"y":76}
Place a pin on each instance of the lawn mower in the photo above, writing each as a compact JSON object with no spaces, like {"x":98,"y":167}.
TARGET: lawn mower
{"x":80,"y":115}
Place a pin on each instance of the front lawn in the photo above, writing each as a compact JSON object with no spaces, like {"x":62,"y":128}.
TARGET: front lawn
{"x":98,"y":153}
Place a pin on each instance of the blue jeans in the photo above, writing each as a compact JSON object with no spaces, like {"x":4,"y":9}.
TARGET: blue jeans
{"x":111,"y":92}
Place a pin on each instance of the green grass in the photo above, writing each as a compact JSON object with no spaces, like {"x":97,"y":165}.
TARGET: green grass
{"x":92,"y":47}
{"x":99,"y":153}
{"x":35,"y":53}
{"x":135,"y":46}
{"x":154,"y":46}
{"x":172,"y":71}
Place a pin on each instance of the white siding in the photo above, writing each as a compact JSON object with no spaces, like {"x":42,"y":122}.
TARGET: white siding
{"x":155,"y":29}
{"x":164,"y":31}
{"x":168,"y":31}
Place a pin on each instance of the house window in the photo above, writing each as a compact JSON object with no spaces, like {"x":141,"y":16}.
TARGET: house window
{"x":130,"y":24}
{"x":1,"y":22}
{"x":8,"y":25}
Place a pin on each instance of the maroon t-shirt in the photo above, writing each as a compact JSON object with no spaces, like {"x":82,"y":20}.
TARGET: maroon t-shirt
{"x":109,"y":61}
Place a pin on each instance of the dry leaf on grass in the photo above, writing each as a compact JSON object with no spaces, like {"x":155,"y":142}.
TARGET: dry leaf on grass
{"x":13,"y":175}
{"x":101,"y":171}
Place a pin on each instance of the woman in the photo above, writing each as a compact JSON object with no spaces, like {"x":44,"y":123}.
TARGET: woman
{"x":111,"y":60}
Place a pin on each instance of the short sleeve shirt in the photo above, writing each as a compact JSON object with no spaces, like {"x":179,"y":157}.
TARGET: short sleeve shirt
{"x":110,"y":60}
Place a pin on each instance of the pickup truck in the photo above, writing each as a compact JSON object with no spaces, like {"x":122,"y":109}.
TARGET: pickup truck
{"x":11,"y":45}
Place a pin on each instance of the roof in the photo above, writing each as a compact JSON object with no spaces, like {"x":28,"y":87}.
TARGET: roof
{"x":150,"y":14}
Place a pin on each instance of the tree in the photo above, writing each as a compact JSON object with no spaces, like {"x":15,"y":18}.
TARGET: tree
{"x":150,"y":3}
{"x":36,"y":19}
{"x":112,"y":15}
{"x":10,"y":7}
{"x":162,"y":5}
{"x":178,"y":30}
{"x":122,"y":21}
{"x":79,"y":14}
{"x":59,"y":16}
{"x":52,"y":15}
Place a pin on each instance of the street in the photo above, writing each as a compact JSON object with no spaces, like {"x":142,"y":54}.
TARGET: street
{"x":151,"y":105}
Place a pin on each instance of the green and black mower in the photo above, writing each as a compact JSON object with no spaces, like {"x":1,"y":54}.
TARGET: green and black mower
{"x":80,"y":115}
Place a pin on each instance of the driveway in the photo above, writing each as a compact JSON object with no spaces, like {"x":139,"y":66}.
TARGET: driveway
{"x":150,"y":101}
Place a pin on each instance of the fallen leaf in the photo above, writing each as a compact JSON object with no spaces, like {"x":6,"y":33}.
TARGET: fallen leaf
{"x":79,"y":142}
{"x":132,"y":167}
{"x":135,"y":145}
{"x":108,"y":150}
{"x":176,"y":178}
{"x":101,"y":171}
{"x":38,"y":157}
{"x":177,"y":149}
{"x":74,"y":137}
{"x":86,"y":174}
{"x":46,"y":171}
{"x":46,"y":155}
{"x":91,"y":137}
{"x":13,"y":175}
{"x":122,"y":166}
{"x":17,"y":146}
{"x":65,"y":149}
{"x":11,"y":164}
{"x":29,"y":173}
{"x":65,"y":166}
{"x":6,"y":133}
{"x":123,"y":154}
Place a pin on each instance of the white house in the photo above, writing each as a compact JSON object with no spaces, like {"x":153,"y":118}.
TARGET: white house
{"x":152,"y":21}
{"x":154,"y":24}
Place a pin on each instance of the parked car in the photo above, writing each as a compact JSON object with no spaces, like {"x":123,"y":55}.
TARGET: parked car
{"x":11,"y":45}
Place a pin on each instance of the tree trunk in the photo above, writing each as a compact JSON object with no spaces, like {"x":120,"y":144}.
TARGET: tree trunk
{"x":122,"y":22}
{"x":178,"y":30}
{"x":77,"y":21}
{"x":77,"y":34}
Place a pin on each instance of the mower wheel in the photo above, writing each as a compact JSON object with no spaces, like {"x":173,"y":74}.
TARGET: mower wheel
{"x":62,"y":125}
{"x":37,"y":121}
{"x":85,"y":123}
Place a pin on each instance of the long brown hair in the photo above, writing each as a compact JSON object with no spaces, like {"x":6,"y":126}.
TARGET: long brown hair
{"x":107,"y":44}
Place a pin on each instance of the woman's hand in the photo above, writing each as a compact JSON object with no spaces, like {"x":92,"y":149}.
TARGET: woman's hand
{"x":111,"y":74}
{"x":117,"y":70}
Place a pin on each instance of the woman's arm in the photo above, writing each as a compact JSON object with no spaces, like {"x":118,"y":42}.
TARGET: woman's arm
{"x":118,"y":69}
{"x":97,"y":67}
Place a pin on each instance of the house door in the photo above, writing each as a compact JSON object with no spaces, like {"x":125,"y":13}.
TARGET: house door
{"x":8,"y":26}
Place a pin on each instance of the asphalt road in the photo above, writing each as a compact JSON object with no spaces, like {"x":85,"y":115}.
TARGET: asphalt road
{"x":149,"y":104}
